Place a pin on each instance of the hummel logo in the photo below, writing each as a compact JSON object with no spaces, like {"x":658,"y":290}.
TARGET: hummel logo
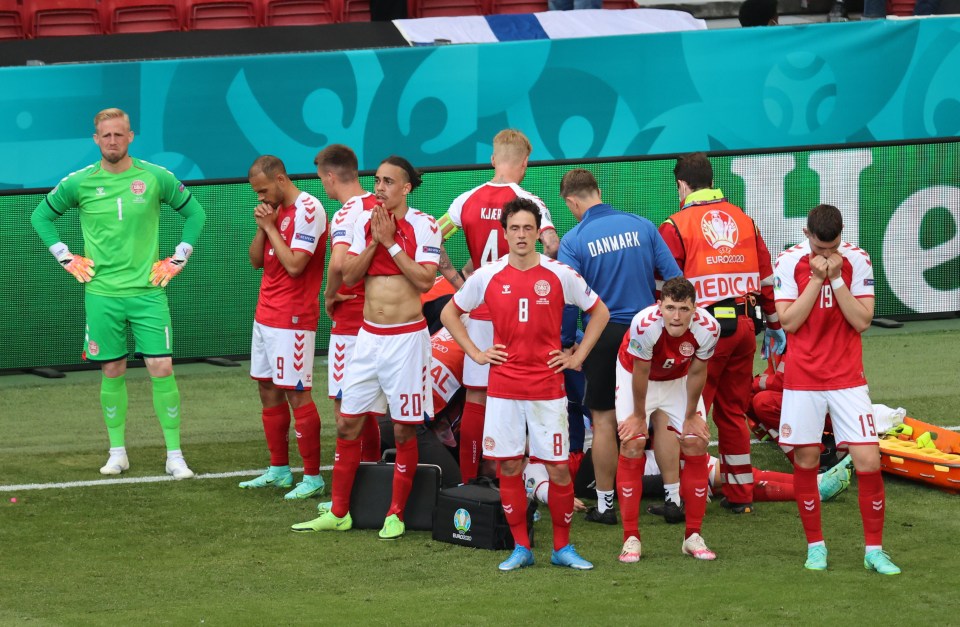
{"x":700,"y":492}
{"x":506,"y":289}
{"x":809,"y":505}
{"x":508,"y":509}
{"x":172,"y":412}
{"x":401,"y":468}
{"x":627,"y":492}
{"x":877,"y":505}
{"x":111,"y":412}
{"x":568,"y":517}
{"x":298,"y":434}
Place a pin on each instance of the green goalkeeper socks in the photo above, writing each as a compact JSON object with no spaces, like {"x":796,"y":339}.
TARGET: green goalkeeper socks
{"x":166,"y":402}
{"x":113,"y":401}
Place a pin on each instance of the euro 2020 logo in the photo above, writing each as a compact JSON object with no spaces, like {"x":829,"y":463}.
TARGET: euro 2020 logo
{"x":720,"y":230}
{"x":461,"y":520}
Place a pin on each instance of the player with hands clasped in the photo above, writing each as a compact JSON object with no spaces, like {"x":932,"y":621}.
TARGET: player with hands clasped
{"x":526,"y":293}
{"x":118,"y":199}
{"x":824,"y":296}
{"x":661,"y":371}
{"x":289,"y":245}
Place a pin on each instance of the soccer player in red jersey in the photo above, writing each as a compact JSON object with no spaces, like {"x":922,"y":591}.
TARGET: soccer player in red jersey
{"x":337,"y":168}
{"x":478,"y":212}
{"x":824,"y":296}
{"x":395,"y":250}
{"x":661,"y":371}
{"x":289,"y":245}
{"x":526,"y":293}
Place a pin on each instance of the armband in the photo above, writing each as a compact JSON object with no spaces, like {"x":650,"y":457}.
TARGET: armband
{"x":394,"y":250}
{"x":837,"y":283}
{"x":447,"y":227}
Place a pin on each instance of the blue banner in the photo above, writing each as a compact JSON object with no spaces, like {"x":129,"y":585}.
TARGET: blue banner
{"x":575,"y":98}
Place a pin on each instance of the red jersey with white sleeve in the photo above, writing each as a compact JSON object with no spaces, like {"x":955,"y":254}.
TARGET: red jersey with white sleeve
{"x":477,"y":212}
{"x":826,"y":353}
{"x":416,"y":233}
{"x":446,"y":368}
{"x":293,"y":303}
{"x":527,"y":309}
{"x":669,"y":356}
{"x":348,"y":314}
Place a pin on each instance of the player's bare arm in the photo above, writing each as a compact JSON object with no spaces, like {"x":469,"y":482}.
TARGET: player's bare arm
{"x":561,"y":360}
{"x":450,"y":317}
{"x":293,"y":261}
{"x":551,"y":242}
{"x":256,"y":248}
{"x":635,"y":426}
{"x":448,"y":271}
{"x":857,"y":311}
{"x":793,"y":315}
{"x":335,"y":279}
{"x":356,"y":266}
{"x":695,"y":424}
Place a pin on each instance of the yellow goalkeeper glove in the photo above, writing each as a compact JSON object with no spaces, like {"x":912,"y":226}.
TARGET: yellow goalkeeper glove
{"x":163,"y":271}
{"x":80,"y":267}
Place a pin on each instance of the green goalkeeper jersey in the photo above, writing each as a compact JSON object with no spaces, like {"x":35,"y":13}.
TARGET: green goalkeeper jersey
{"x":120,"y":221}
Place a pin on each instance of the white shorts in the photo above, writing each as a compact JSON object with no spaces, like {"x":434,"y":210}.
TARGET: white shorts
{"x":390,"y":366}
{"x":284,"y":356}
{"x":804,"y":411}
{"x":481,"y":333}
{"x":509,"y":421}
{"x":338,"y":358}
{"x":670,"y":397}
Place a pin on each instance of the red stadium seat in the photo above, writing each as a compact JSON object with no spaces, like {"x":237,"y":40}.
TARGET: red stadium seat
{"x":448,"y":8}
{"x":11,"y":20}
{"x":219,"y":14}
{"x":356,"y":11}
{"x":518,"y":6}
{"x":54,"y":18}
{"x":300,"y":12}
{"x":620,"y":4}
{"x":141,"y":16}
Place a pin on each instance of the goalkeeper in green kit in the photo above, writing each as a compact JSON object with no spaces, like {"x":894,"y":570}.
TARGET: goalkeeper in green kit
{"x":119,"y":202}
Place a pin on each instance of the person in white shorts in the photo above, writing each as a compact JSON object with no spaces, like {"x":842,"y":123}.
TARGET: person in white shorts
{"x":289,"y":245}
{"x":825,"y":300}
{"x":525,"y":293}
{"x":661,"y":371}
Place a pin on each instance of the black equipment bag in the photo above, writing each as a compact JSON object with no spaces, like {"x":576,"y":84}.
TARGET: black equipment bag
{"x":472,"y":515}
{"x":373,"y":490}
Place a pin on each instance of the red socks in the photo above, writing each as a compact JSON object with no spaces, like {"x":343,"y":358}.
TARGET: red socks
{"x":403,"y":473}
{"x":471,"y":439}
{"x":276,"y":426}
{"x":769,"y":485}
{"x":808,"y":502}
{"x":629,"y":491}
{"x":693,"y":490}
{"x":306,"y":423}
{"x":346,"y":460}
{"x":513,"y":496}
{"x":873,"y":505}
{"x":370,"y":439}
{"x":560,"y":501}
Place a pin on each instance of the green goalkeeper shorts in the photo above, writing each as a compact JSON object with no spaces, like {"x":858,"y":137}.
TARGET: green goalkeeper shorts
{"x":107,"y":319}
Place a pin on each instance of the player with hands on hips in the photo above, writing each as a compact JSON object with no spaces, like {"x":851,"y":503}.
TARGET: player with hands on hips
{"x":661,"y":371}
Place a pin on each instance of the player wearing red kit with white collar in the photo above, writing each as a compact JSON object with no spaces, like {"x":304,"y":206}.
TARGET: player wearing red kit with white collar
{"x":337,"y":168}
{"x":824,"y":296}
{"x":661,"y":372}
{"x":526,"y":294}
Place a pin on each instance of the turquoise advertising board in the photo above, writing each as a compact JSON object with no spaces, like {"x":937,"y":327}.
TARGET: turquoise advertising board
{"x":657,"y":94}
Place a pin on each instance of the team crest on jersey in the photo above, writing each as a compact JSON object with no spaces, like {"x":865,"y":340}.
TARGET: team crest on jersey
{"x":138,"y":187}
{"x":541,"y":288}
{"x":786,"y":430}
{"x":719,"y":229}
{"x":285,"y":223}
{"x":93,"y":348}
{"x":687,"y":349}
{"x":488,"y":443}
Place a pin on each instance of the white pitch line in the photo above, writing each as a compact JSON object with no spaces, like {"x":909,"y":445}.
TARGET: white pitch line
{"x":209,"y":475}
{"x":125,"y":480}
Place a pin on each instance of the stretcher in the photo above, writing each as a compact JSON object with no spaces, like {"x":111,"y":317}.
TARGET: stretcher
{"x":901,"y":455}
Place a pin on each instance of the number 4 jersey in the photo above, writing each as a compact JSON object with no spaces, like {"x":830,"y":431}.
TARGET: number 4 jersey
{"x":526,"y":307}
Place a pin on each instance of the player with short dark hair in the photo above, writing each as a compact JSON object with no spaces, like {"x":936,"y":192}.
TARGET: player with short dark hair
{"x":118,"y":199}
{"x":395,"y":250}
{"x":337,"y":167}
{"x":661,"y":371}
{"x":618,"y":254}
{"x":525,"y":293}
{"x":478,"y":213}
{"x":289,"y":245}
{"x":759,"y":13}
{"x":825,"y":299}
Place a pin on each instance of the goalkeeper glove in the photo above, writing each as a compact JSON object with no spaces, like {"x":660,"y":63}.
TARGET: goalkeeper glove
{"x":779,"y":342}
{"x":80,"y":267}
{"x":164,"y":270}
